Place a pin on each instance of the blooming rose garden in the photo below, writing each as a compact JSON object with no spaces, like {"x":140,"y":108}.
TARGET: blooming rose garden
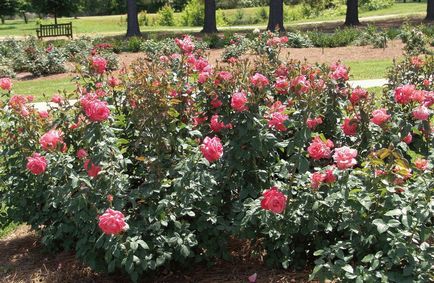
{"x":171,"y":161}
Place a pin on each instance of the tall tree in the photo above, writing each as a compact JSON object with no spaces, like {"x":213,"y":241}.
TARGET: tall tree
{"x":133,"y":28}
{"x":58,"y":8}
{"x":352,"y":16}
{"x":8,"y":8}
{"x":275,"y":19}
{"x":209,"y":22}
{"x":430,"y":10}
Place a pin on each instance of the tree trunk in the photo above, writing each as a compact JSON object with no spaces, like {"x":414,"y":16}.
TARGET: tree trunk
{"x":352,"y":17}
{"x":2,"y":19}
{"x":25,"y":18}
{"x":430,"y":10}
{"x":133,"y":28}
{"x":55,"y":18}
{"x":275,"y":19}
{"x":209,"y":22}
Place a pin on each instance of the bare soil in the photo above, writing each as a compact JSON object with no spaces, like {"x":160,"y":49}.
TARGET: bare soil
{"x":312,"y":55}
{"x":23,"y":259}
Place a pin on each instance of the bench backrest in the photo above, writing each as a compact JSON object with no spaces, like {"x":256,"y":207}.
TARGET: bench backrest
{"x":54,"y":30}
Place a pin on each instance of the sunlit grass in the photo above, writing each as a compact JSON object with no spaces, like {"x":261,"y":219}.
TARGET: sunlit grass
{"x":109,"y":25}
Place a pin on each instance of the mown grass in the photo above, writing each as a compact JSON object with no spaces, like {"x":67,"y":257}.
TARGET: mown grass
{"x":44,"y":86}
{"x":110,"y":25}
{"x":368,"y":69}
{"x":360,"y":70}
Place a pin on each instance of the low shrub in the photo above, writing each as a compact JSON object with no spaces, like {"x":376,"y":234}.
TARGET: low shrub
{"x":339,"y":38}
{"x":193,"y":13}
{"x":175,"y":160}
{"x":165,"y":16}
{"x":372,"y":5}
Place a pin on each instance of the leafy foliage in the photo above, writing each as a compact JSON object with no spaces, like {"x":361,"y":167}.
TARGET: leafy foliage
{"x":279,"y":124}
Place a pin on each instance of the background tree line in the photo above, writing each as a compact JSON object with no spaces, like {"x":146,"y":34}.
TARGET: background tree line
{"x":59,"y":8}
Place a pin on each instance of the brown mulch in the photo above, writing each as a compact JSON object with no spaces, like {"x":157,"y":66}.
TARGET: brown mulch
{"x":312,"y":55}
{"x":320,"y":55}
{"x":23,"y":259}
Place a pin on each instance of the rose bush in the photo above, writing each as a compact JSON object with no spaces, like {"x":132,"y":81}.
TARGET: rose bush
{"x":173,"y":160}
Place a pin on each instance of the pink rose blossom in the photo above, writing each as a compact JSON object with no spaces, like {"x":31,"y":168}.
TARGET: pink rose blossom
{"x":418,"y":96}
{"x":300,"y":85}
{"x":217,"y":126}
{"x":281,"y":86}
{"x":357,"y":95}
{"x":99,"y":64}
{"x":216,"y":102}
{"x":276,"y":117}
{"x":203,"y":77}
{"x":421,"y":113}
{"x":317,"y":179}
{"x":274,"y":200}
{"x":252,"y":278}
{"x":17,"y":102}
{"x":282,"y":71}
{"x":408,"y":138}
{"x":112,"y":222}
{"x":224,"y":76}
{"x":232,"y":60}
{"x":380,"y":116}
{"x":212,"y":149}
{"x":238,"y":101}
{"x":319,"y":149}
{"x":97,"y":110}
{"x":259,"y":80}
{"x":345,"y":157}
{"x":81,"y":153}
{"x":313,"y":123}
{"x":329,"y":176}
{"x":185,"y":44}
{"x":404,"y":94}
{"x":92,"y":169}
{"x":51,"y":140}
{"x":421,"y":164}
{"x":339,"y":72}
{"x":36,"y":164}
{"x":43,"y":114}
{"x":57,"y":99}
{"x":349,"y":127}
{"x":6,"y":84}
{"x":113,"y":82}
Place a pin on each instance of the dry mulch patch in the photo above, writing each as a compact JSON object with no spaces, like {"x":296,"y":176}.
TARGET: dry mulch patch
{"x":23,"y":259}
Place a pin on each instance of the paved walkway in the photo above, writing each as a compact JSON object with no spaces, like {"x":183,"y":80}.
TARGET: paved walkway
{"x":361,"y":83}
{"x":368,"y":83}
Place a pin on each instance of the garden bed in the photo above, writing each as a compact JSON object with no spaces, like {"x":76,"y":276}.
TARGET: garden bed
{"x":24,"y":259}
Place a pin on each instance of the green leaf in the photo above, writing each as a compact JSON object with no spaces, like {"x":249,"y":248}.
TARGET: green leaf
{"x":185,"y":251}
{"x":366,"y":202}
{"x":318,"y":252}
{"x":393,"y":212}
{"x":143,"y":244}
{"x":368,"y":258}
{"x":134,"y":246}
{"x":381,"y":226}
{"x":393,"y":223}
{"x":348,"y":268}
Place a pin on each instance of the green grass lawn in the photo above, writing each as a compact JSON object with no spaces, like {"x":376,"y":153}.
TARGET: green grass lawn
{"x":41,"y":86}
{"x":369,"y":69}
{"x":116,"y":24}
{"x":360,"y":70}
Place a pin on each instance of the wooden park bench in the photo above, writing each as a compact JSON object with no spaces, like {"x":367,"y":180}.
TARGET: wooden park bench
{"x":54,"y":30}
